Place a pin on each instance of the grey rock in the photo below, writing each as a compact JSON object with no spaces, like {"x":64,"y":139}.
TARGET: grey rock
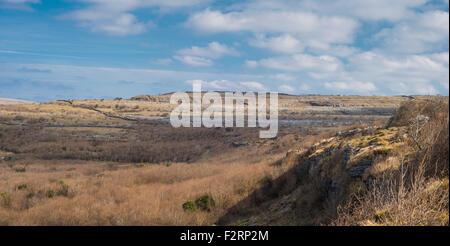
{"x":358,"y":170}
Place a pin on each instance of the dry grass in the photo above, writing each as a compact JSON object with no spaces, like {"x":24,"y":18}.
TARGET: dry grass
{"x":387,"y":176}
{"x":141,"y":184}
{"x":411,"y":186}
{"x":122,"y":194}
{"x":142,"y":174}
{"x":336,"y":108}
{"x":137,"y":192}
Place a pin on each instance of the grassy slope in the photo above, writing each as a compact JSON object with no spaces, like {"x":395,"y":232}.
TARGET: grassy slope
{"x":396,"y":175}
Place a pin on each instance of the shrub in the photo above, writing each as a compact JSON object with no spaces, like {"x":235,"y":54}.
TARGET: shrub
{"x":5,"y":200}
{"x":20,"y":169}
{"x":417,"y":192}
{"x":189,"y":206}
{"x":63,"y":190}
{"x":50,"y":193}
{"x":22,"y":186}
{"x":205,"y":203}
{"x":141,"y":165}
{"x":30,"y":195}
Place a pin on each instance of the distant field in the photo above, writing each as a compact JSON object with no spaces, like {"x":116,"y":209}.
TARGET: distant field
{"x":342,"y":110}
{"x":13,"y":101}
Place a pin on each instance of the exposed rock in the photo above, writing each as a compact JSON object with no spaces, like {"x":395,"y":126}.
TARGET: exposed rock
{"x":326,"y":174}
{"x":285,"y":210}
{"x":358,"y":170}
{"x":422,"y":119}
{"x":142,"y":98}
{"x":348,"y":152}
{"x":236,"y":144}
{"x":332,"y":190}
{"x":316,"y":104}
{"x":369,"y":182}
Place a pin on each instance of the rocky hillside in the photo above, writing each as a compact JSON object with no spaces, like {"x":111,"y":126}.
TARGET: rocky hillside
{"x":393,"y":175}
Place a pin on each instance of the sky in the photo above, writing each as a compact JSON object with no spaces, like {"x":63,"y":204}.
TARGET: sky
{"x":83,"y":49}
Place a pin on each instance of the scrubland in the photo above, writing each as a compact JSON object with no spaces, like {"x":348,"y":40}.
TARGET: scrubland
{"x":71,"y":163}
{"x":411,"y":185}
{"x":396,"y":174}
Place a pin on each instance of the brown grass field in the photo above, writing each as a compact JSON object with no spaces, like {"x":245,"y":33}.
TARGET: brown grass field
{"x":118,"y":162}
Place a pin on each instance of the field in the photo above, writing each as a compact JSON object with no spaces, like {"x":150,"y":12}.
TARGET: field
{"x":12,"y":101}
{"x":119,"y":162}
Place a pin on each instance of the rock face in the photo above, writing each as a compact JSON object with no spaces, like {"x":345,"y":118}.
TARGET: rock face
{"x":316,"y":104}
{"x":142,"y":98}
{"x":148,"y":98}
{"x":358,"y":170}
{"x":323,"y":176}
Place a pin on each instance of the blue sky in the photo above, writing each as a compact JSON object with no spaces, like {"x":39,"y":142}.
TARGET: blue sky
{"x":121,"y":48}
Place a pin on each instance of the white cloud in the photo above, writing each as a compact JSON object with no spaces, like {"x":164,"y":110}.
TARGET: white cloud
{"x":286,"y":88}
{"x":114,"y":16}
{"x":213,"y":50}
{"x":213,"y":85}
{"x":254,"y":86}
{"x":285,"y":43}
{"x":323,"y":27}
{"x":370,"y":10}
{"x":313,"y":40}
{"x":302,"y":62}
{"x":20,"y":1}
{"x":413,"y":68}
{"x":336,"y":50}
{"x":351,"y":86}
{"x":18,"y":4}
{"x":121,"y":25}
{"x":416,"y":72}
{"x":409,"y":89}
{"x":163,"y":61}
{"x":81,"y":78}
{"x":282,"y":77}
{"x":441,"y":58}
{"x":304,"y":87}
{"x":366,"y":72}
{"x":195,"y":61}
{"x":311,"y":28}
{"x":424,"y":32}
{"x":251,"y":64}
{"x":225,"y":85}
{"x":201,"y":56}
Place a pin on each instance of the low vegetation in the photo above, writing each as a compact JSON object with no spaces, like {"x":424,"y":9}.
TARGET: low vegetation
{"x":411,"y":186}
{"x":394,"y":175}
{"x":66,"y":165}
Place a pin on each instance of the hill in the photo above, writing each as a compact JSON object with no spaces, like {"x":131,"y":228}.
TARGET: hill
{"x":392,"y":175}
